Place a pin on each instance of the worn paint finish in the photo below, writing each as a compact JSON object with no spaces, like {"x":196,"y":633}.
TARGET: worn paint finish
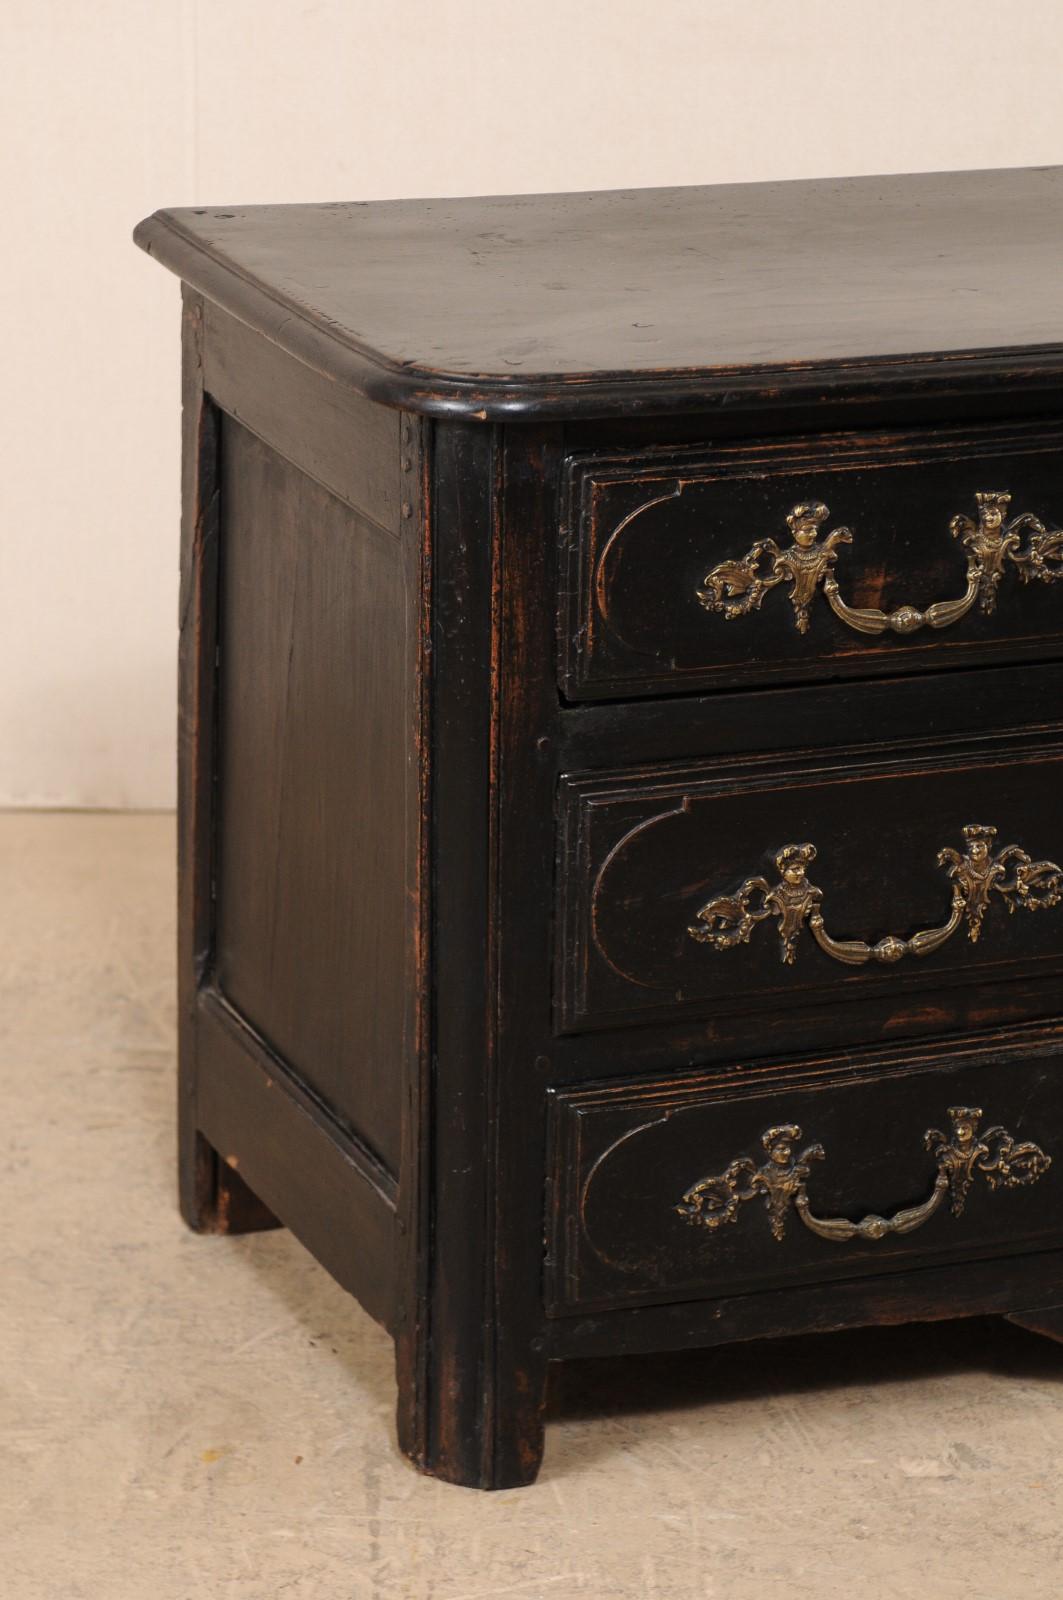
{"x":549,"y":811}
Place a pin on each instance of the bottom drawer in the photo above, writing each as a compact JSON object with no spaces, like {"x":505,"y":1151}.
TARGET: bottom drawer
{"x":689,"y":1187}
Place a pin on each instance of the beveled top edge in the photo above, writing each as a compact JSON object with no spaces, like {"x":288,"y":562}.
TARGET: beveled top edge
{"x":325,"y":343}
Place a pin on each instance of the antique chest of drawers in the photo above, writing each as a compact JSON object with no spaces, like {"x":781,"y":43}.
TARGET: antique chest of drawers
{"x":621,"y":766}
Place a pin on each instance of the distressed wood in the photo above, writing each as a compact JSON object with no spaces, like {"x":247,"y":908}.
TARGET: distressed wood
{"x":929,"y":1294}
{"x":440,"y":841}
{"x":414,"y":1202}
{"x":1047,"y":1320}
{"x":330,"y":433}
{"x":917,"y":712}
{"x":527,"y":779}
{"x":457,"y":1330}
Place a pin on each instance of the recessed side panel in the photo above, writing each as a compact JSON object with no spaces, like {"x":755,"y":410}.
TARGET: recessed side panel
{"x":313,"y":730}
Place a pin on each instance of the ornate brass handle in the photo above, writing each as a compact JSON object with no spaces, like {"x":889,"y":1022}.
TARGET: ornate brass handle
{"x":735,"y":588}
{"x":729,"y":919}
{"x":960,"y":1155}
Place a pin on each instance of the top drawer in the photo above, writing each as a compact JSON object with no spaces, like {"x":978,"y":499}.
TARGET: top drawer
{"x":839,"y":556}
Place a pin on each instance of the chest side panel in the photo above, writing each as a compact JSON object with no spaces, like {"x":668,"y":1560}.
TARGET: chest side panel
{"x":313,"y":693}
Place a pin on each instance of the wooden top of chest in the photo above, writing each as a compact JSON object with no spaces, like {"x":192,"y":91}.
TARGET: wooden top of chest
{"x":654,"y":300}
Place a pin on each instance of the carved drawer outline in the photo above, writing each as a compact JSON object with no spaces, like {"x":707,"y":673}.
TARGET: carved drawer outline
{"x":580,"y":877}
{"x":576,"y":1254}
{"x":797,"y":465}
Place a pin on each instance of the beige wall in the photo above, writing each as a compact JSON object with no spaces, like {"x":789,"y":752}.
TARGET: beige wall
{"x":111,"y":108}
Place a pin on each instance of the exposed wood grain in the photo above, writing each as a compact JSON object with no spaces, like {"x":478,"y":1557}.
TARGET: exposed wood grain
{"x":313,"y":767}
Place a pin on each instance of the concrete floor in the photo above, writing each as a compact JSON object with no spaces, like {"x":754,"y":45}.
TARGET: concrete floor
{"x":212,"y":1418}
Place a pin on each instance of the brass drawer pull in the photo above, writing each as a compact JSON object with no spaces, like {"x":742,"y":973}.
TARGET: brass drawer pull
{"x":735,"y":588}
{"x":729,"y":919}
{"x":960,"y":1155}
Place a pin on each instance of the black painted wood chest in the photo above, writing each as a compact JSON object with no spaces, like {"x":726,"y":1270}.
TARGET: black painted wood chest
{"x":621,"y":786}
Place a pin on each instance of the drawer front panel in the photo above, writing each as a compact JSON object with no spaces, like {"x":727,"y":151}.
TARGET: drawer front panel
{"x":712,"y":1185}
{"x":728,"y":888}
{"x":846,"y":555}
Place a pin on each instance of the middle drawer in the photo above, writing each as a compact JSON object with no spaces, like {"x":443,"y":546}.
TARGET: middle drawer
{"x":735,"y":887}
